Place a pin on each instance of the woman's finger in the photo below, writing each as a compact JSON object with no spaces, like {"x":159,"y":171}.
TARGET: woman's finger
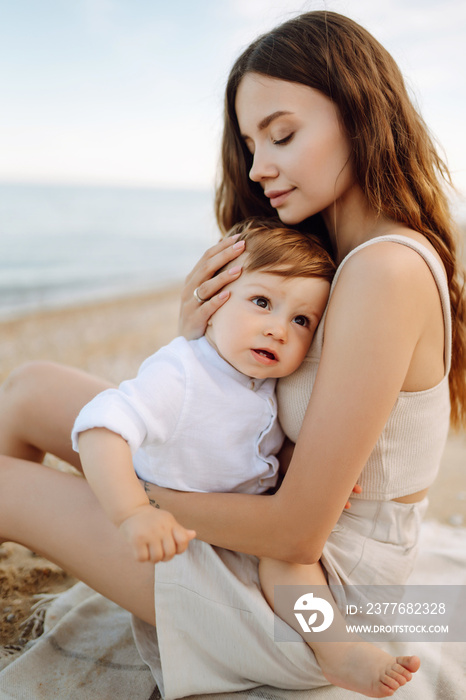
{"x":193,"y":320}
{"x":202,"y":294}
{"x":218,"y":248}
{"x":212,"y":260}
{"x":210,"y":287}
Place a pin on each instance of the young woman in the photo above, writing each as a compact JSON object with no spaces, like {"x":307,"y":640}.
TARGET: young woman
{"x":317,"y":124}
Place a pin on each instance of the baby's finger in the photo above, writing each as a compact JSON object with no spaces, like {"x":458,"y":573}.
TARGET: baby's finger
{"x":168,"y":546}
{"x":182,"y":538}
{"x":155,"y":552}
{"x":141,"y":552}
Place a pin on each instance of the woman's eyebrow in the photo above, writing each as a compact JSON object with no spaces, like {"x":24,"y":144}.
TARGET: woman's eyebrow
{"x":268,"y":120}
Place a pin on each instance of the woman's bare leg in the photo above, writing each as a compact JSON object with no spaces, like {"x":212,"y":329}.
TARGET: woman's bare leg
{"x":57,"y":515}
{"x":38,"y":405}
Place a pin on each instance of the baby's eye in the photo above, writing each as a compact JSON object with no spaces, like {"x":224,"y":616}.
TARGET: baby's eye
{"x":261,"y":301}
{"x":301,"y":321}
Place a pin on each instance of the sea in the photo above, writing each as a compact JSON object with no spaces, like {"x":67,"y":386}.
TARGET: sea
{"x":68,"y":245}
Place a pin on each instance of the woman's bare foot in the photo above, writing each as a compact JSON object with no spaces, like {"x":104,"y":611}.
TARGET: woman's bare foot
{"x":364,"y":668}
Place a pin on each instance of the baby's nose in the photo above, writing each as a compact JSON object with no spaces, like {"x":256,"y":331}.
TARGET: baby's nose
{"x":277,"y":330}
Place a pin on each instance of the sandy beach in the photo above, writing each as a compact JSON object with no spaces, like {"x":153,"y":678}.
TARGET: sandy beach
{"x":111,"y":339}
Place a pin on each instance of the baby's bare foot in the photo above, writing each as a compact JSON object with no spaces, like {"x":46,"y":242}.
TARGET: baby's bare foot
{"x":362,"y":667}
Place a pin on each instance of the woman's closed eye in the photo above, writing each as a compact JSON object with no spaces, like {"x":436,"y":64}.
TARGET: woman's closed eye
{"x":283,"y":141}
{"x":263,"y":302}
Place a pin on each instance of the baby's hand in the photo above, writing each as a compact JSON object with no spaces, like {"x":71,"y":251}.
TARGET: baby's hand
{"x":154,"y":535}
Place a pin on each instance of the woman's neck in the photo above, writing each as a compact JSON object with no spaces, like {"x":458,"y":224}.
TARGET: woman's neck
{"x":351,"y":222}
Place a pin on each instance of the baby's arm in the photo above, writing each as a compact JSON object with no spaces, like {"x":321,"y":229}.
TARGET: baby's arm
{"x":154,"y":535}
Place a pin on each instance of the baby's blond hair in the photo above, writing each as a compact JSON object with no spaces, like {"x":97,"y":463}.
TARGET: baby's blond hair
{"x":272,"y":247}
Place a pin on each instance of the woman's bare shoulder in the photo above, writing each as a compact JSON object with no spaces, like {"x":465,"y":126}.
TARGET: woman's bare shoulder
{"x":388,"y":262}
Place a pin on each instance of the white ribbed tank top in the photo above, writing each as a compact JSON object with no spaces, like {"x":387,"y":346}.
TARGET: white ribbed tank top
{"x":406,"y":457}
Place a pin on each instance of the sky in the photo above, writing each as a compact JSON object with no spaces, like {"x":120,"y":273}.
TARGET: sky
{"x":130,"y":92}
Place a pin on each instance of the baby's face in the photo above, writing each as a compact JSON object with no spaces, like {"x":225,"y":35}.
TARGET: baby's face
{"x":267,"y":325}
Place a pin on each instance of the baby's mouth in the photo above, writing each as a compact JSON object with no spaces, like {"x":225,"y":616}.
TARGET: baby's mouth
{"x":266,"y":355}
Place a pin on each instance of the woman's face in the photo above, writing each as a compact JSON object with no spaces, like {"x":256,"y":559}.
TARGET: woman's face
{"x":301,"y":156}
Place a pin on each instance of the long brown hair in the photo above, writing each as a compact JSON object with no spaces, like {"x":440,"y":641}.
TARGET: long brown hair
{"x":394,"y":158}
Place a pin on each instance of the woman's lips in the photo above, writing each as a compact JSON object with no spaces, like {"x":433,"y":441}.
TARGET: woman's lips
{"x":265,"y":357}
{"x":277,"y":197}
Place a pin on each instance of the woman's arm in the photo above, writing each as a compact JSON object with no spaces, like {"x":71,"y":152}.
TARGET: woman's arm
{"x":381,"y":306}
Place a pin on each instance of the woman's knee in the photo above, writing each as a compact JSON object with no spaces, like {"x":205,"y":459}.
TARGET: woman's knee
{"x":25,"y":380}
{"x":39,"y":403}
{"x":21,"y":394}
{"x":35,"y":384}
{"x":18,"y":406}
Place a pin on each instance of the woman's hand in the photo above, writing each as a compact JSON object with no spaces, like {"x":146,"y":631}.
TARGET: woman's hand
{"x":194,"y":314}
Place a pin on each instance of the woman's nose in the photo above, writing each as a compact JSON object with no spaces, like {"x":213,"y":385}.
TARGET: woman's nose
{"x":262,"y":168}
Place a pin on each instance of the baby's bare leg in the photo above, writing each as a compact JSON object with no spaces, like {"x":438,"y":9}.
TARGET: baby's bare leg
{"x":38,"y":405}
{"x":353,"y":664}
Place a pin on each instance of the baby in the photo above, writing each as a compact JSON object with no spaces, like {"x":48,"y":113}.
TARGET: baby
{"x":202,"y":415}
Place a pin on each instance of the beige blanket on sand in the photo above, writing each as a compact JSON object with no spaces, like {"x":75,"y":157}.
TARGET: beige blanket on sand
{"x":87,"y":650}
